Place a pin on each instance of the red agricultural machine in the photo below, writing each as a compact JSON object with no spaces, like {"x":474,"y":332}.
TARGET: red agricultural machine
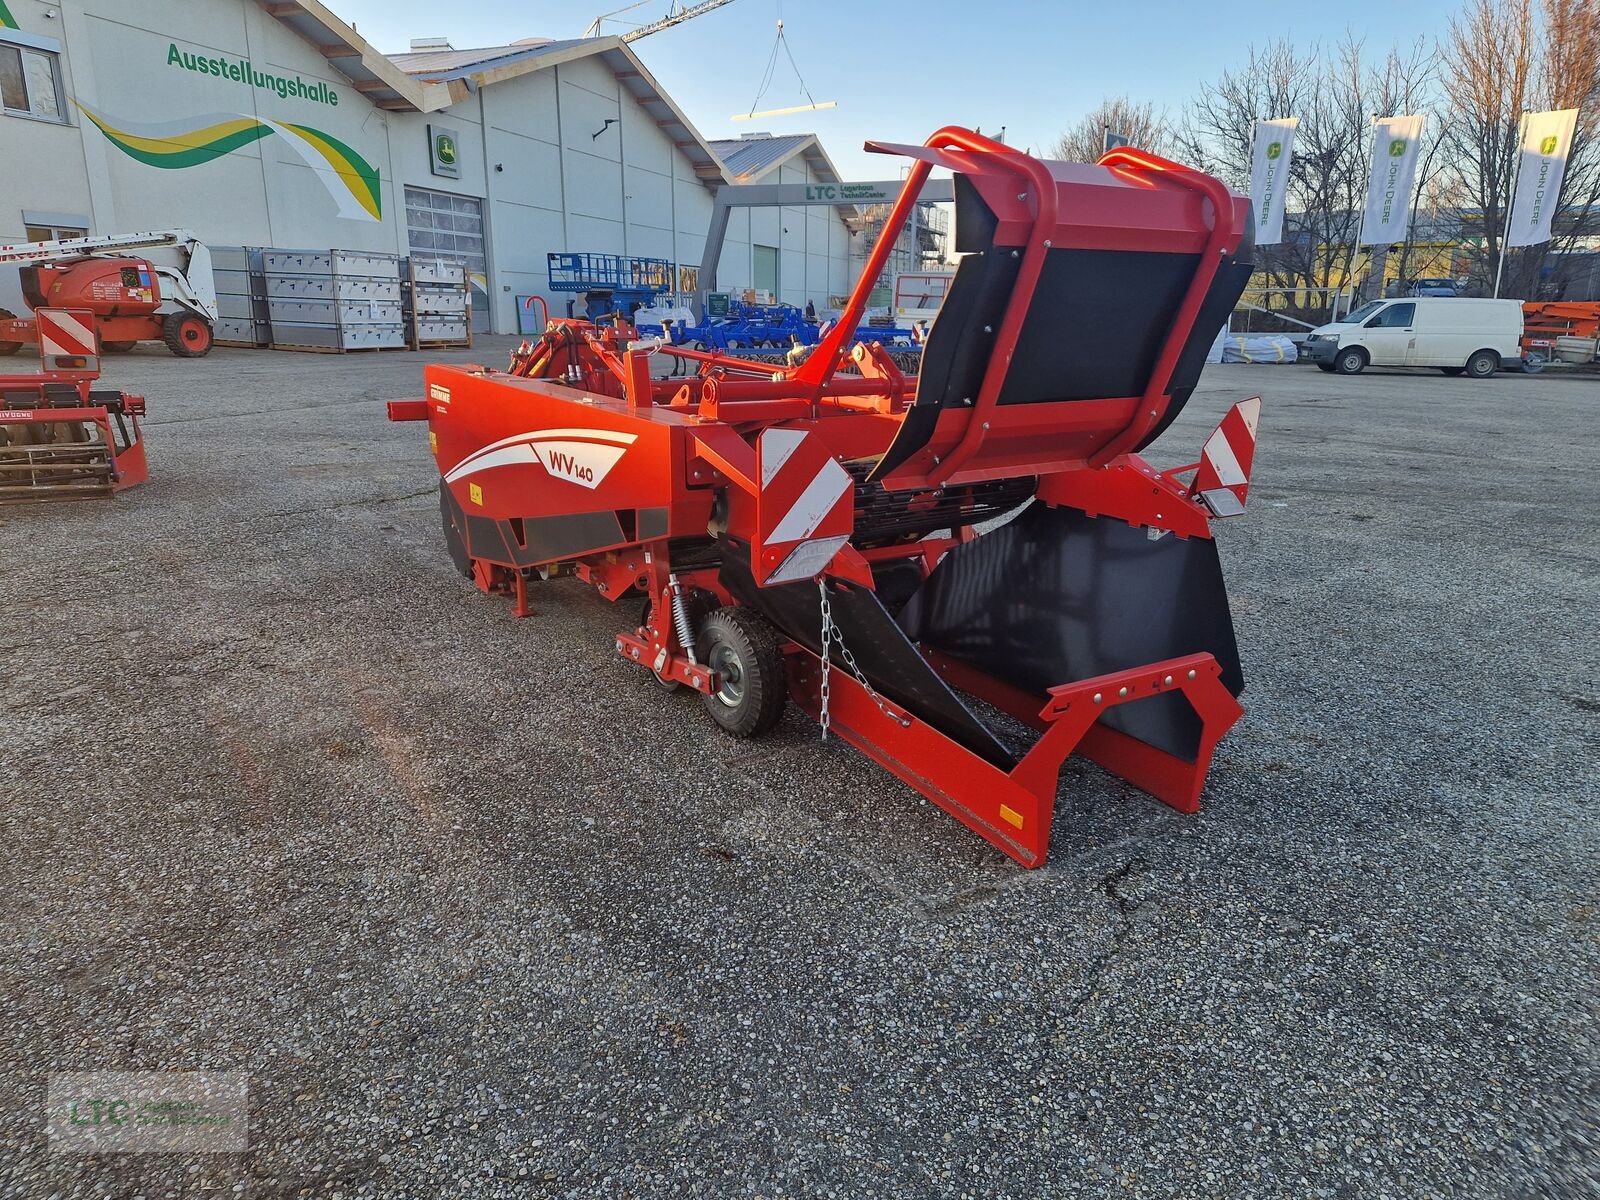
{"x":61,"y":438}
{"x":814,"y":533}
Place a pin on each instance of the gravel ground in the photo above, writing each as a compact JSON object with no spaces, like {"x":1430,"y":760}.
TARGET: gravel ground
{"x":483,"y":912}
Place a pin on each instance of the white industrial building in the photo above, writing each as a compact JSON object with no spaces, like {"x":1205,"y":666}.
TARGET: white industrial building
{"x":273,"y":123}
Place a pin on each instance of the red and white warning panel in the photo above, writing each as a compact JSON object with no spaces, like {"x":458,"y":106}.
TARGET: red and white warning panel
{"x":805,"y":510}
{"x":1223,"y":480}
{"x":67,"y":339}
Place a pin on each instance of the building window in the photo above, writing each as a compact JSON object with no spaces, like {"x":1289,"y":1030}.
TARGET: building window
{"x":51,"y":233}
{"x":30,"y":82}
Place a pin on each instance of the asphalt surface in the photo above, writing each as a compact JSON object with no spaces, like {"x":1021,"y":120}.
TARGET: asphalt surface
{"x":482,"y":911}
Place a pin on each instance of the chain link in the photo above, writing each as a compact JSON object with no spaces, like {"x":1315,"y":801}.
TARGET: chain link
{"x":827,"y":638}
{"x":832,"y":634}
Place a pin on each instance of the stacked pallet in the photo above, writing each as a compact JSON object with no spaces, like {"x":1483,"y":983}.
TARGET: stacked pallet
{"x":242,"y":315}
{"x":438,"y":304}
{"x":334,"y":300}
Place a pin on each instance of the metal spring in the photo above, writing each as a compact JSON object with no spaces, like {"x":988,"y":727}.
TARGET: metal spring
{"x":680,"y":618}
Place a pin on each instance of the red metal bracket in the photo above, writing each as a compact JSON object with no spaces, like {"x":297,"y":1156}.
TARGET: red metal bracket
{"x":1013,"y":810}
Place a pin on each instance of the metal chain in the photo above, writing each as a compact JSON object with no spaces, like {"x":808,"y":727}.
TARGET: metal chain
{"x":827,"y":638}
{"x":832,"y":634}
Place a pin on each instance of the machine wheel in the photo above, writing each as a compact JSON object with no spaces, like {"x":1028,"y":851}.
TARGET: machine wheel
{"x":742,"y":648}
{"x":8,"y":348}
{"x":1351,"y":362}
{"x":1483,"y":364}
{"x":1452,"y":371}
{"x":454,"y":540}
{"x":186,"y":335}
{"x":117,"y":347}
{"x":1325,"y":368}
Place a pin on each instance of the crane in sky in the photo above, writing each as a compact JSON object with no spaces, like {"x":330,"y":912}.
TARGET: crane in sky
{"x":677,"y":15}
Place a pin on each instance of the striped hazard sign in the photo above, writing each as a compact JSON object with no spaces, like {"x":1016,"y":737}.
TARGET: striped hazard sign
{"x":66,"y":333}
{"x":805,"y":511}
{"x":1223,"y":479}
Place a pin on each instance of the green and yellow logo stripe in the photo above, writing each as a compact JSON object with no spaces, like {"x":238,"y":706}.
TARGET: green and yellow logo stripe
{"x":351,"y":180}
{"x":172,"y":152}
{"x":357,"y":174}
{"x":7,"y":21}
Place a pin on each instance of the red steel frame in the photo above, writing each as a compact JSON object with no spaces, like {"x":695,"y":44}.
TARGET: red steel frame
{"x":693,"y":440}
{"x":128,"y":464}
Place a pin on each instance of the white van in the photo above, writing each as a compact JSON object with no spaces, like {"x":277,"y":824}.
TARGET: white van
{"x":1454,"y":334}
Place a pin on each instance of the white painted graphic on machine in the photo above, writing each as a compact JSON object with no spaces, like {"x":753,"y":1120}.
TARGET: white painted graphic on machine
{"x":581,"y":456}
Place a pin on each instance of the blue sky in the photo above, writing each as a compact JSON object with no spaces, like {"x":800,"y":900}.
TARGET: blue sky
{"x":899,"y":71}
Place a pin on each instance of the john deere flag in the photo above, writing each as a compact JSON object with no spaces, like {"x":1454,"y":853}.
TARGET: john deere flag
{"x":1395,"y":142}
{"x":1546,"y":141}
{"x":1269,"y":177}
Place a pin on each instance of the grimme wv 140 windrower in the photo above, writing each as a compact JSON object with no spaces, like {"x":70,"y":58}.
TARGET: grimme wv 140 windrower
{"x":811,"y":533}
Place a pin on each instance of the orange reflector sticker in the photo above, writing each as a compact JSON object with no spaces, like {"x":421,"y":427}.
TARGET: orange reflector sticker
{"x":1012,"y":815}
{"x":475,"y":492}
{"x":433,"y":441}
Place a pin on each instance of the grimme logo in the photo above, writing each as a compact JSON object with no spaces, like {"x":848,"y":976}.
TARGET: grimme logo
{"x":1275,"y":150}
{"x":444,"y":147}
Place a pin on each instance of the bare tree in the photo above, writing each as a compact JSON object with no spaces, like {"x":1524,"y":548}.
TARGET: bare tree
{"x":1141,"y":124}
{"x":1329,"y":93}
{"x":1502,"y":59}
{"x":1488,"y":68}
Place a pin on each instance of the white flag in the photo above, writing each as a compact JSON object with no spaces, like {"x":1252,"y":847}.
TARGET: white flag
{"x":1269,"y":177}
{"x":1546,"y":142}
{"x":1395,"y":143}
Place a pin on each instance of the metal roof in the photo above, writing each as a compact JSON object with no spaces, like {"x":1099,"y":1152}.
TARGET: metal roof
{"x":458,"y":64}
{"x":749,"y":158}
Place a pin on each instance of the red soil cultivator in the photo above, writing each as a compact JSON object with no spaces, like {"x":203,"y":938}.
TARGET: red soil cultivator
{"x":810,"y":534}
{"x":60,"y":437}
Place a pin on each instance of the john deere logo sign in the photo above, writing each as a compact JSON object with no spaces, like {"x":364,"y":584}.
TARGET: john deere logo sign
{"x":1275,"y":150}
{"x":1397,"y":148}
{"x":442,"y":152}
{"x":1548,"y":146}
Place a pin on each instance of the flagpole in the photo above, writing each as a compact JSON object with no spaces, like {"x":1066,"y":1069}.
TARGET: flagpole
{"x":1355,"y":247}
{"x":1500,"y":267}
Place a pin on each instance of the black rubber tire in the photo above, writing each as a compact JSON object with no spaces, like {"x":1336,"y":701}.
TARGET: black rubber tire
{"x":187,"y":335}
{"x":1482,"y":364}
{"x":117,"y":347}
{"x":7,"y":349}
{"x":1452,"y":371}
{"x":740,"y":645}
{"x":1325,"y":368}
{"x":1351,"y":361}
{"x":454,"y":540}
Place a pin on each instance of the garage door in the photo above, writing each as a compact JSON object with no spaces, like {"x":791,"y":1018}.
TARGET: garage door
{"x":439,"y":224}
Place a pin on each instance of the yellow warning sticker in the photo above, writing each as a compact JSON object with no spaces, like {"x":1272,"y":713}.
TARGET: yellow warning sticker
{"x":476,"y":493}
{"x":1012,"y":815}
{"x":433,"y":441}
